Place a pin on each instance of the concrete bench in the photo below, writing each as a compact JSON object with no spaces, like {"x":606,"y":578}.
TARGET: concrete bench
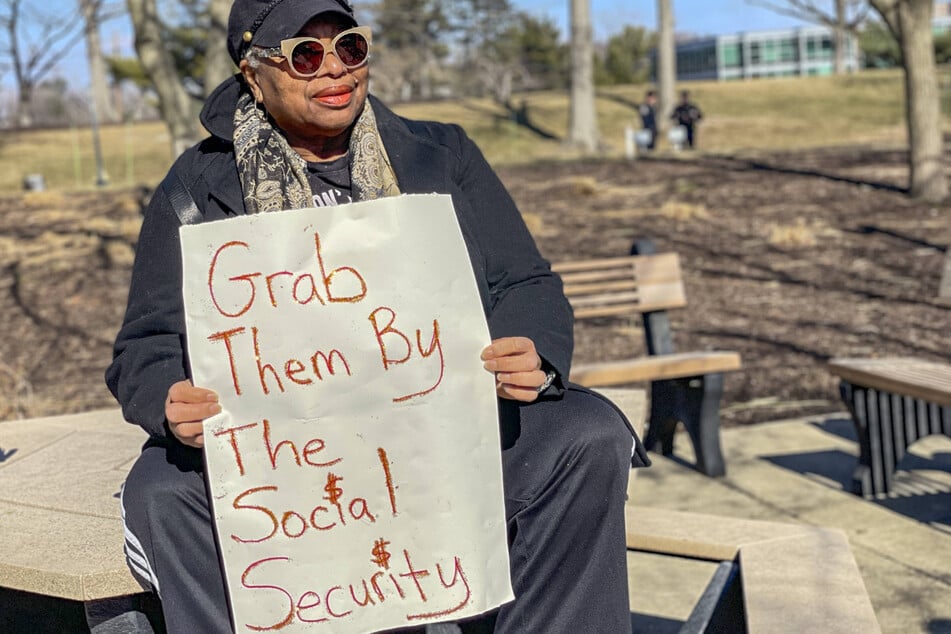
{"x":61,"y":554}
{"x":894,"y":401}
{"x":775,"y":577}
{"x":685,"y":386}
{"x":60,"y":516}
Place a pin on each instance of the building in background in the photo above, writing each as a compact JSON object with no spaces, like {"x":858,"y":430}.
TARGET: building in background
{"x":753,"y":54}
{"x":942,"y":17}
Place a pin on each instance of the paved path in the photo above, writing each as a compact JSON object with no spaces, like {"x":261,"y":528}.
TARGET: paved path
{"x":800,"y":471}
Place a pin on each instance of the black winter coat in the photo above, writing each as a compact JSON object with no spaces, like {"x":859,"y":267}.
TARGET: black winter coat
{"x":520,"y":294}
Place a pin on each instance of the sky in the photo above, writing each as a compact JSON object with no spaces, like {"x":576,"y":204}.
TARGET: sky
{"x":697,"y":17}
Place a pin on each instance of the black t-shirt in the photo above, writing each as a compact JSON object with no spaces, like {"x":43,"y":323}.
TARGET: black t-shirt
{"x":330,"y":182}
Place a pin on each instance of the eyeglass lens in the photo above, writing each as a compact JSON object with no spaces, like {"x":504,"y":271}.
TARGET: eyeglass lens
{"x":351,"y":49}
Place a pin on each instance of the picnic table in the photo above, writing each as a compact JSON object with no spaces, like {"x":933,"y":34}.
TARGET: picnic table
{"x":894,"y":401}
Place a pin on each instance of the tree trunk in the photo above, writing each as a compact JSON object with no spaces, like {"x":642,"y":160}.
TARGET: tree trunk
{"x":24,"y":106}
{"x":99,"y":87}
{"x":24,"y":117}
{"x":944,"y":289}
{"x":583,"y":119}
{"x":174,"y":102}
{"x":923,"y":106}
{"x":218,"y":64}
{"x":910,"y":22}
{"x":666,"y":65}
{"x":839,"y":33}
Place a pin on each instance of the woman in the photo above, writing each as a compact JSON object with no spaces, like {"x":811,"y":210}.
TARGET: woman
{"x":297,"y":128}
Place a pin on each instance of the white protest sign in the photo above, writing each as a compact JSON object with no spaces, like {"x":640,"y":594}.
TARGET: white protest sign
{"x":355,"y":470}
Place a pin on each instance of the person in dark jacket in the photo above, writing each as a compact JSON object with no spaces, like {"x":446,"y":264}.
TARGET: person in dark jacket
{"x":298,"y":128}
{"x":648,"y":112}
{"x":688,"y":115}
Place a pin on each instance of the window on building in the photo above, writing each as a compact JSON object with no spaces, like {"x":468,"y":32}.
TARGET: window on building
{"x":789,"y":50}
{"x":819,"y":47}
{"x":731,"y":55}
{"x":770,"y":52}
{"x":754,"y":52}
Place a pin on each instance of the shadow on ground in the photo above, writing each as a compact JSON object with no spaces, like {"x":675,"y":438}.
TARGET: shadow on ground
{"x":916,"y":495}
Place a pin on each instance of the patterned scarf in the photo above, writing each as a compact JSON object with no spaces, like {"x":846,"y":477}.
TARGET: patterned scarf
{"x":274,"y":176}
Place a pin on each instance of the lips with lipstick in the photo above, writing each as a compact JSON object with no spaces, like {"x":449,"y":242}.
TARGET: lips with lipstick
{"x":335,"y":95}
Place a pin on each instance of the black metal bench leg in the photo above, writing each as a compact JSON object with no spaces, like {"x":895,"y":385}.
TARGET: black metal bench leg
{"x":666,"y":405}
{"x":696,"y":403}
{"x":702,"y":420}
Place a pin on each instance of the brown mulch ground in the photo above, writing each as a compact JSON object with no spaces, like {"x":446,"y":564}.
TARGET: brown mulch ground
{"x":789,"y":259}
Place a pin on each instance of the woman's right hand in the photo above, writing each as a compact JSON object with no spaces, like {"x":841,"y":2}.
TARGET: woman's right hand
{"x":185,"y":409}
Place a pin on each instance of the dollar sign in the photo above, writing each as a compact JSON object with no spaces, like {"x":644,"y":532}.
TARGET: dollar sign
{"x":333,"y":491}
{"x":381,"y":557}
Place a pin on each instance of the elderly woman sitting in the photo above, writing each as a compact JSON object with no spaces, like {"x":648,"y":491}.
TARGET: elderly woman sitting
{"x":297,"y":128}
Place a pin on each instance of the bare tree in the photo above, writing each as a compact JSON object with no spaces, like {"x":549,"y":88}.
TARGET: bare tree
{"x":218,"y":64}
{"x":910,"y":23}
{"x":34,"y":42}
{"x":583,"y":118}
{"x":94,"y":13}
{"x":844,"y":18}
{"x":666,"y":63}
{"x":175,"y":104}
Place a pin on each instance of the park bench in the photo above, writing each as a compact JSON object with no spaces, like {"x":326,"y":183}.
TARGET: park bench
{"x":893,"y":401}
{"x":685,"y":386}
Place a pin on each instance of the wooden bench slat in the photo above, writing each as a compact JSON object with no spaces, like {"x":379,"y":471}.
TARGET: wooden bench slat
{"x":652,"y":274}
{"x":655,"y":368}
{"x":913,"y":377}
{"x":572,"y":266}
{"x":591,"y":288}
{"x":627,"y":297}
{"x":644,"y":299}
{"x":588,"y":277}
{"x":620,"y":310}
{"x":646,"y":268}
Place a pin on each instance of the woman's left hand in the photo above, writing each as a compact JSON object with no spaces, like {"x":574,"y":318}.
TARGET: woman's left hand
{"x":517,"y":367}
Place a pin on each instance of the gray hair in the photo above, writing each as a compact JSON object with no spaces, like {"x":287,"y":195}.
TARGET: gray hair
{"x":250,"y":56}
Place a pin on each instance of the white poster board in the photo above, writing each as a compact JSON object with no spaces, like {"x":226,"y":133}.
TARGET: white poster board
{"x":355,"y":469}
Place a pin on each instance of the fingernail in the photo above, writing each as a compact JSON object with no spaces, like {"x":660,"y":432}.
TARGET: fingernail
{"x":490,"y":365}
{"x":212,"y":398}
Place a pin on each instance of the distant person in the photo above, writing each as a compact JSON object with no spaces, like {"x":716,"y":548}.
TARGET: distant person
{"x":648,"y":112}
{"x":687,"y":115}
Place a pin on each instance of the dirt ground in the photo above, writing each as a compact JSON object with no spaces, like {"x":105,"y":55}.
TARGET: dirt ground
{"x":789,"y":259}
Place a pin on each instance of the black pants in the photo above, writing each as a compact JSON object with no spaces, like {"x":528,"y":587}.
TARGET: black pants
{"x":690,"y":135}
{"x":565,"y":467}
